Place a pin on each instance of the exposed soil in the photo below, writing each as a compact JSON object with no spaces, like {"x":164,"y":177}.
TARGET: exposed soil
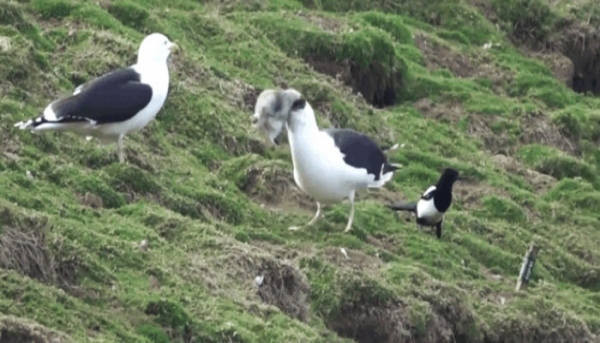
{"x":581,"y":44}
{"x":541,"y":182}
{"x":537,"y":128}
{"x":281,"y":284}
{"x":17,"y":330}
{"x":461,"y":64}
{"x":24,"y":248}
{"x":351,"y":259}
{"x":377,"y":87}
{"x":284,"y":286}
{"x":452,"y":112}
{"x":366,"y":323}
{"x":571,"y":50}
{"x":562,"y":67}
{"x":322,"y":22}
{"x":370,"y":317}
{"x":90,"y":200}
{"x":275,"y":188}
{"x":440,"y":56}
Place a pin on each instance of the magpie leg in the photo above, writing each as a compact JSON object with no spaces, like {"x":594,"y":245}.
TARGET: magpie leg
{"x":120,"y":149}
{"x":351,"y":217}
{"x":438,"y":230}
{"x":317,"y":215}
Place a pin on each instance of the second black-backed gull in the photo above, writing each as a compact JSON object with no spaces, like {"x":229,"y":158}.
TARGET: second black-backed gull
{"x":115,"y":104}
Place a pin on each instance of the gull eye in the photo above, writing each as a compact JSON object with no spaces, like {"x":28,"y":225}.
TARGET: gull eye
{"x":165,"y":42}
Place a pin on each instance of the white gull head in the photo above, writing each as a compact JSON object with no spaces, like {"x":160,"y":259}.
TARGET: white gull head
{"x":155,"y":48}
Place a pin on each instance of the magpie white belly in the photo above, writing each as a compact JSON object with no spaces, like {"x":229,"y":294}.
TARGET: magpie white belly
{"x":427,"y":213}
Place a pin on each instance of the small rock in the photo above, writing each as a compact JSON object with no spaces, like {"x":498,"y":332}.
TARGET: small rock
{"x":11,"y":156}
{"x":258,"y":281}
{"x":28,"y":174}
{"x":153,"y":282}
{"x":144,"y":245}
{"x":5,"y":44}
{"x":92,"y":200}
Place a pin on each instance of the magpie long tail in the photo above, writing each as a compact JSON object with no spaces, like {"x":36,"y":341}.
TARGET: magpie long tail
{"x":403,"y":206}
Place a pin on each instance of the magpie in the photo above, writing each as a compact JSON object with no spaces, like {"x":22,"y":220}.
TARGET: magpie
{"x":434,"y":202}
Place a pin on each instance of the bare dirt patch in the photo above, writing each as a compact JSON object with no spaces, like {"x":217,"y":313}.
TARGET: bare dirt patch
{"x":18,"y":330}
{"x":562,"y":67}
{"x":446,"y":111}
{"x":478,"y":126}
{"x":355,"y":260}
{"x":557,"y":327}
{"x":462,"y":64}
{"x":571,"y":48}
{"x":284,"y":286}
{"x":369,"y":314}
{"x":366,"y":323}
{"x":376,"y":86}
{"x":240,"y":94}
{"x":248,"y":275}
{"x":536,"y":128}
{"x":540,"y":182}
{"x":91,"y":200}
{"x":383,"y":242}
{"x":27,"y":252}
{"x":441,"y":56}
{"x":539,"y":129}
{"x":24,"y":247}
{"x":580,"y":43}
{"x":274,"y":187}
{"x":470,"y":193}
{"x":485,"y":7}
{"x":322,"y":22}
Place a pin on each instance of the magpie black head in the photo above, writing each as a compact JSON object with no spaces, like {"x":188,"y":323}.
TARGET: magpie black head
{"x":449,"y":176}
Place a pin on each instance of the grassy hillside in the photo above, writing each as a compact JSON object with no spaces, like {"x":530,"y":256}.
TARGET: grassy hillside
{"x":482,"y":86}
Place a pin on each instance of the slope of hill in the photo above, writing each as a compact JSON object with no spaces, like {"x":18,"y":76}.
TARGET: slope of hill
{"x":485,"y":86}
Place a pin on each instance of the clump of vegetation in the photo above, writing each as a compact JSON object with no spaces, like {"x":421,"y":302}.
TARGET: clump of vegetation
{"x":363,"y":57}
{"x":525,"y":20}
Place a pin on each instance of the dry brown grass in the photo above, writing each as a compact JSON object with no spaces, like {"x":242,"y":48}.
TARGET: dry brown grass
{"x":19,"y":330}
{"x":27,"y":252}
{"x":24,"y":247}
{"x":232,"y":273}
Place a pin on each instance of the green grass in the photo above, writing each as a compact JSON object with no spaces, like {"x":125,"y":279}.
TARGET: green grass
{"x":215,"y":204}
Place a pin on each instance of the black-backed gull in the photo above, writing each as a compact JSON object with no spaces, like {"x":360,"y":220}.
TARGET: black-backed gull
{"x":434,"y":202}
{"x":331,"y":164}
{"x":115,"y":104}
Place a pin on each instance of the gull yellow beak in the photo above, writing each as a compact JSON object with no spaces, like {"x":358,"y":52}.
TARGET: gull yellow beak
{"x":173,"y":47}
